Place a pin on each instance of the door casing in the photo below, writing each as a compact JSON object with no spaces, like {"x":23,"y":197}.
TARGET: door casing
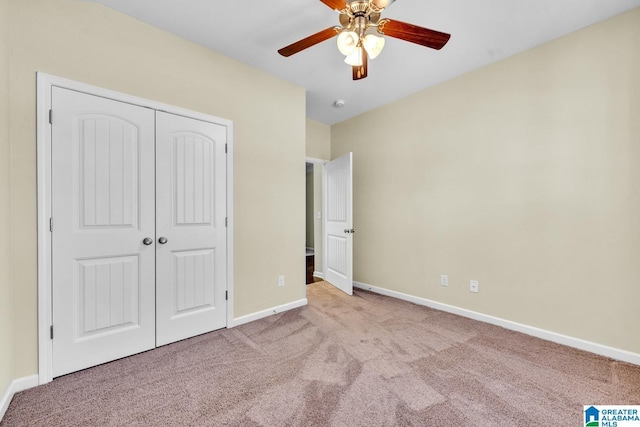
{"x":45,"y":83}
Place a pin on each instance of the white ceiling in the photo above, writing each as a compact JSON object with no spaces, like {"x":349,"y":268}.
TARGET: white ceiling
{"x":482,"y":32}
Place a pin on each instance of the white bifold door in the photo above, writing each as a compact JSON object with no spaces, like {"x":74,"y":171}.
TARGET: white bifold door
{"x":138,"y":220}
{"x":338,"y":232}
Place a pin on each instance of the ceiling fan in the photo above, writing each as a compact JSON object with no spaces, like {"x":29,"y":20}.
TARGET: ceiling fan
{"x":357,"y":38}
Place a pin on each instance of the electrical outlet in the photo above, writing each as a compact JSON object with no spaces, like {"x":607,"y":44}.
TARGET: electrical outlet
{"x":444,"y":280}
{"x":281,"y":281}
{"x":474,"y":286}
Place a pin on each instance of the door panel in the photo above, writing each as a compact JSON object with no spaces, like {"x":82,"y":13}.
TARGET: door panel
{"x":191,"y":209}
{"x":108,"y":171}
{"x":194,"y":272}
{"x":336,"y":253}
{"x":102,"y":208}
{"x":108,"y":290}
{"x":338,"y":223}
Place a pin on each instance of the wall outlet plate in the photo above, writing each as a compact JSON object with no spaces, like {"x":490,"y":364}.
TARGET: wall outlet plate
{"x":474,"y":286}
{"x":444,"y":280}
{"x":280,"y":281}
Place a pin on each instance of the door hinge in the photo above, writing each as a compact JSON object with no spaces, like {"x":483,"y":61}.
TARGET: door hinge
{"x":51,"y":331}
{"x":51,"y":225}
{"x":226,"y":147}
{"x":226,"y":221}
{"x":50,"y":117}
{"x":226,"y":295}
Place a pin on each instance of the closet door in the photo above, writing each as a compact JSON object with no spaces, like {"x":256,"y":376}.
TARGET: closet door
{"x":191,"y":232}
{"x":103,"y":227}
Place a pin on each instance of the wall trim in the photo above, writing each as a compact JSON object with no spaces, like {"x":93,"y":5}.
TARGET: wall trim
{"x":268,"y":312}
{"x":44,"y":85}
{"x":16,"y":386}
{"x":319,"y":275}
{"x":600,"y":349}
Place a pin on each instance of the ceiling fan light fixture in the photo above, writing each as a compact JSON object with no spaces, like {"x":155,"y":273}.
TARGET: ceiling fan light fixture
{"x":347,"y":42}
{"x":373,"y":45}
{"x":360,"y":33}
{"x":382,"y":4}
{"x":355,"y":59}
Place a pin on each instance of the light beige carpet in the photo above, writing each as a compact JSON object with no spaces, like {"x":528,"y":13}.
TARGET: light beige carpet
{"x":365,"y":360}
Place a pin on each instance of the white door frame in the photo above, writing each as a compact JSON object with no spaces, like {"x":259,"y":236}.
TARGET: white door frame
{"x":45,"y":82}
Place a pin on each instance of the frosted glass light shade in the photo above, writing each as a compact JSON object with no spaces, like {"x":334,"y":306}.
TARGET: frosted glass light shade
{"x":347,"y":42}
{"x":382,"y":3}
{"x":355,"y":58}
{"x":373,"y":45}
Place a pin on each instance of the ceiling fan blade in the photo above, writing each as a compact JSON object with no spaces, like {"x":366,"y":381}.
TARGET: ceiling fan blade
{"x":381,"y":4}
{"x":337,"y":5}
{"x":361,"y":71}
{"x":413,"y":33}
{"x":309,"y":41}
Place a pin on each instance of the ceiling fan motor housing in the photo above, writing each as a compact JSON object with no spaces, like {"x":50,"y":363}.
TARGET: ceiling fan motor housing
{"x":359,"y":7}
{"x":358,"y":16}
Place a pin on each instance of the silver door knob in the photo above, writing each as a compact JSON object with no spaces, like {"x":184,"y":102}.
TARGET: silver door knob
{"x":162,"y":240}
{"x":147,"y":241}
{"x":346,"y":230}
{"x":353,"y":231}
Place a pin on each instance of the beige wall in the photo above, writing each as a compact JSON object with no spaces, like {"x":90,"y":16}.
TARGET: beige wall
{"x":95,"y":45}
{"x":318,"y":146}
{"x":523,"y":175}
{"x":6,"y":289}
{"x":318,"y":140}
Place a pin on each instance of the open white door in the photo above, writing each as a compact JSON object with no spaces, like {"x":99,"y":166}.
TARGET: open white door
{"x":337,"y":182}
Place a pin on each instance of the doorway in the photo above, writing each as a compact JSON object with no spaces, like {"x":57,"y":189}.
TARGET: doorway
{"x":314,"y":238}
{"x":332,"y":220}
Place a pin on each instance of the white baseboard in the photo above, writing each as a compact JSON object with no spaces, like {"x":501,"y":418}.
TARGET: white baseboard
{"x":318,"y":274}
{"x":603,"y":350}
{"x":268,"y":312}
{"x":14,"y":387}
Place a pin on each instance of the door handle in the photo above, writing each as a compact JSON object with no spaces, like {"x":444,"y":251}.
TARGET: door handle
{"x":353,"y":231}
{"x":346,"y":230}
{"x":162,"y":240}
{"x":147,"y":241}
